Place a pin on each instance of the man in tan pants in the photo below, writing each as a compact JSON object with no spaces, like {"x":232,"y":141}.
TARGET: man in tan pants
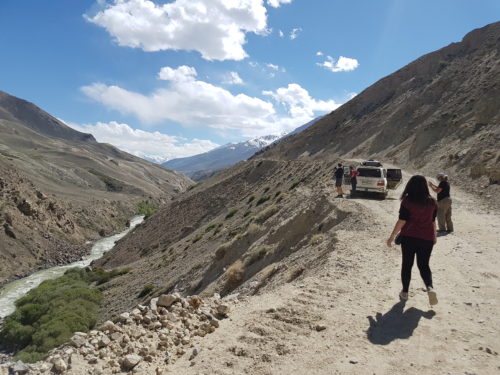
{"x":444,"y":203}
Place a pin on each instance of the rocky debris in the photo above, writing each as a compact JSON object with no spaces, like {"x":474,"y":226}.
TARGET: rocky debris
{"x":26,"y":207}
{"x":19,"y":368}
{"x":130,"y":361}
{"x":161,"y":331}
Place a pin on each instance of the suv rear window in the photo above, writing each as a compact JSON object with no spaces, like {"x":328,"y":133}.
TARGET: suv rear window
{"x":369,"y":172}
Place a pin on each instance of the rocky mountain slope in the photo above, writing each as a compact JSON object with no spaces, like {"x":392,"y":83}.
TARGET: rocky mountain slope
{"x":438,"y":113}
{"x":268,"y":220}
{"x":312,"y":267}
{"x":59,"y":188}
{"x":201,"y":166}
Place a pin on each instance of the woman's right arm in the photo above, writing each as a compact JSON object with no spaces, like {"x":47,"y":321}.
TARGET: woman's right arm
{"x":397,"y":228}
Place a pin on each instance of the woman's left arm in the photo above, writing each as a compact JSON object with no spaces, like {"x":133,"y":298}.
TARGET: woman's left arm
{"x":397,"y":228}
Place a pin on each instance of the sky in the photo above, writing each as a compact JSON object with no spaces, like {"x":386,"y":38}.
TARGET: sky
{"x":168,"y":79}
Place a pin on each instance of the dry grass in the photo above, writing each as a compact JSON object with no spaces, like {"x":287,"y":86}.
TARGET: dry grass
{"x":253,"y":229}
{"x":266,"y":214}
{"x":317,"y":239}
{"x":295,"y":272}
{"x":235,"y":274}
{"x":257,"y":254}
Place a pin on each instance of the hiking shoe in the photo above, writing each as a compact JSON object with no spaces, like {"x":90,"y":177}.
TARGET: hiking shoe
{"x":340,"y":196}
{"x":433,"y":299}
{"x":403,"y":296}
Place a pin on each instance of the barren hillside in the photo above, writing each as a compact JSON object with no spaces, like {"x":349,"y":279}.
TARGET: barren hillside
{"x":438,"y":113}
{"x":260,"y":220}
{"x":60,"y":188}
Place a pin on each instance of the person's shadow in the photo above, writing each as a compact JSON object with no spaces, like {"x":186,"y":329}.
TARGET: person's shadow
{"x":395,"y":324}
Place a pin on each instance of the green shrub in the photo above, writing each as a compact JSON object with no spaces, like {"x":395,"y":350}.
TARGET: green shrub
{"x":101,"y":276}
{"x":112,"y":184}
{"x":231,"y":213}
{"x":210,"y":227}
{"x":252,"y":197}
{"x":262,"y":199}
{"x":247,"y":213}
{"x":146,"y":208}
{"x":266,"y":189}
{"x":146,"y":290}
{"x":48,"y":315}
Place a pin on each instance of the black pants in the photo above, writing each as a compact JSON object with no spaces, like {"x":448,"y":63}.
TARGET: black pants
{"x":353,"y":184}
{"x":410,"y":247}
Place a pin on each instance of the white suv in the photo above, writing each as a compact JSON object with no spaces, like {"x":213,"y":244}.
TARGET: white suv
{"x":377,"y":179}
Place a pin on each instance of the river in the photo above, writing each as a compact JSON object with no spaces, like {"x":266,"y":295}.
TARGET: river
{"x":11,"y":292}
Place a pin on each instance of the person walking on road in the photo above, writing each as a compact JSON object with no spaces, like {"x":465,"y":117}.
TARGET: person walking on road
{"x":339,"y":179}
{"x":417,"y":231}
{"x":353,"y":173}
{"x":445,"y":224}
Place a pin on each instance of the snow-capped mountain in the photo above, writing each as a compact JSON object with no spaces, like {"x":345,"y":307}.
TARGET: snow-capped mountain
{"x":201,"y":166}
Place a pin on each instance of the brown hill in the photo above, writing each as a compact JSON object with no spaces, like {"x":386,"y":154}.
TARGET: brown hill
{"x":268,"y":220}
{"x":59,"y":188}
{"x":438,"y":113}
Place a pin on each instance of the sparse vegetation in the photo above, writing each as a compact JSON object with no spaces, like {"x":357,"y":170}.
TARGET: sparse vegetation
{"x":253,"y":228}
{"x":247,"y":213}
{"x":210,"y":227}
{"x":317,"y":239}
{"x":278,"y":193}
{"x":148,"y":289}
{"x":146,"y":208}
{"x":235,"y":274}
{"x":112,"y":184}
{"x":266,"y":189}
{"x":262,"y":199}
{"x":231,"y":213}
{"x":295,"y":184}
{"x":191,"y":187}
{"x":295,"y":272}
{"x":100,"y":276}
{"x":197,"y":238}
{"x":257,"y":254}
{"x":266,"y":214}
{"x":48,"y":315}
{"x":252,"y":197}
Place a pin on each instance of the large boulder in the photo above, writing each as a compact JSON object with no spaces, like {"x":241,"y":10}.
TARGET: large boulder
{"x":167,"y":300}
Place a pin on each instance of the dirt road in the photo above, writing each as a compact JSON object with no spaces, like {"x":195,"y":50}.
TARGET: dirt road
{"x":346,"y":318}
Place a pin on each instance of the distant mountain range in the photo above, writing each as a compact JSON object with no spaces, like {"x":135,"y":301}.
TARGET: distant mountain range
{"x":201,"y":166}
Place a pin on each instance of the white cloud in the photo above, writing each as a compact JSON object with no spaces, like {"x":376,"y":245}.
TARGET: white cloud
{"x":295,"y":33}
{"x":343,"y":64}
{"x":233,"y":78}
{"x":187,"y":101}
{"x":277,"y":3}
{"x":152,"y":145}
{"x":281,"y":34}
{"x":191,"y":102}
{"x":319,"y":53}
{"x":215,"y":28}
{"x":273,"y":67}
{"x":299,"y":103}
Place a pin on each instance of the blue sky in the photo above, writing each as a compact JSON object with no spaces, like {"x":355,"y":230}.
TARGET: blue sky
{"x":175,"y":78}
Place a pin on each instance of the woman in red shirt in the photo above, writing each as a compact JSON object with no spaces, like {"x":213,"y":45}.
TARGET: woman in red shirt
{"x":417,"y":229}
